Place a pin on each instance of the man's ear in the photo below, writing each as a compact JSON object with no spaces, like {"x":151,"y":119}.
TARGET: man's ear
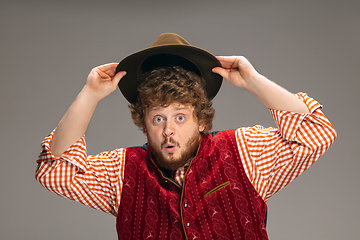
{"x":144,"y":130}
{"x":201,"y":127}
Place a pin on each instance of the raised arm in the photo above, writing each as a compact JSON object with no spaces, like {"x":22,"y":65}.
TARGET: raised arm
{"x":64,"y":166}
{"x":239,"y":72}
{"x":100,"y":83}
{"x":273,"y":157}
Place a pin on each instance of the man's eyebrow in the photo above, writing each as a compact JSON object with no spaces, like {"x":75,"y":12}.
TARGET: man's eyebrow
{"x":182,"y":108}
{"x":176,"y":108}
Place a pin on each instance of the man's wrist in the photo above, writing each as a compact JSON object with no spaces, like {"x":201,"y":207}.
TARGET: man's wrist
{"x":89,"y":95}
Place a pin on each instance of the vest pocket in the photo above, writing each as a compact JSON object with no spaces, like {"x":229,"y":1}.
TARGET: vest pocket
{"x":216,"y":189}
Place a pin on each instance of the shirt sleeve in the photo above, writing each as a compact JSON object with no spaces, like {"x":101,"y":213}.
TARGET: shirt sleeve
{"x":273,"y":157}
{"x":94,"y":180}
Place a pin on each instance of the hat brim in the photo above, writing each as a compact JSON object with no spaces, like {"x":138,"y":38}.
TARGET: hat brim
{"x":202,"y":59}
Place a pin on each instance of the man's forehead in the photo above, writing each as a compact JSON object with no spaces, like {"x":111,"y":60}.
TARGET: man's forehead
{"x":173,"y":106}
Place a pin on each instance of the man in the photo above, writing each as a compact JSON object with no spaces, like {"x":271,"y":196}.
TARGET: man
{"x":186,"y":183}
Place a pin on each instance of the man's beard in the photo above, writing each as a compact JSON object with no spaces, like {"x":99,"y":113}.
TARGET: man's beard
{"x":170,"y":162}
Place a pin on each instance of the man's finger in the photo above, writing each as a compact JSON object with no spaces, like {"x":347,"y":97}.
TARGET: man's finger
{"x":228,"y":62}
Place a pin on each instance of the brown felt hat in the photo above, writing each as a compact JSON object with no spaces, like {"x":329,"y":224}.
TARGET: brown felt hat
{"x":169,"y":49}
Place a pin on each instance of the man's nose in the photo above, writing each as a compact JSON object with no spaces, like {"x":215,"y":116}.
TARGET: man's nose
{"x":169,"y":129}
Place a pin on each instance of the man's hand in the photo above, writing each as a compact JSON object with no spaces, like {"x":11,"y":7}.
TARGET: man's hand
{"x":102,"y":80}
{"x":100,"y":83}
{"x":237,"y":70}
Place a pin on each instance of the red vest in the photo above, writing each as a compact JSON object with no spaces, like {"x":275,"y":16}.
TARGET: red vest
{"x":217,"y":200}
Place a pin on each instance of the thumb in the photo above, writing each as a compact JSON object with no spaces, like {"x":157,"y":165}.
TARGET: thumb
{"x":118,"y":77}
{"x":221,"y":71}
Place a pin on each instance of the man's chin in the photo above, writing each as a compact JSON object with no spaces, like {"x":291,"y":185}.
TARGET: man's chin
{"x":170,"y":162}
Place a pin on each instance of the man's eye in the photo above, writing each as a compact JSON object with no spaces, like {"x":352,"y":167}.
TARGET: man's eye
{"x":180,"y":118}
{"x":158,"y":119}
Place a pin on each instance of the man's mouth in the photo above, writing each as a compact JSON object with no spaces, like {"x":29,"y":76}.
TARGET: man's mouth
{"x":170,"y":145}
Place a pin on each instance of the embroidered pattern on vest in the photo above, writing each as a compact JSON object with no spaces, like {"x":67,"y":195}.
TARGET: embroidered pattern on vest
{"x":217,"y":200}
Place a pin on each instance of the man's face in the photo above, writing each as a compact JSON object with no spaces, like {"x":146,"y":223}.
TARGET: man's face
{"x":173,"y":134}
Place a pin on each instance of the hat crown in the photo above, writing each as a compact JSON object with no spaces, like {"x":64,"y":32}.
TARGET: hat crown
{"x":170,"y":39}
{"x":168,"y":46}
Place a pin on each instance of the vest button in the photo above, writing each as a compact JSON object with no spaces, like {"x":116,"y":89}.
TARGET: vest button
{"x":166,"y":181}
{"x":188,"y":224}
{"x":185,"y":205}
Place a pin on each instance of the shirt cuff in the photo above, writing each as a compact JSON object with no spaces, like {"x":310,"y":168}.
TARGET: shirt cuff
{"x":76,"y":154}
{"x":289,"y":122}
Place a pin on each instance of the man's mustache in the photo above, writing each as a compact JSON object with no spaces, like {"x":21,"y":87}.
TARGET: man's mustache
{"x":170,"y":140}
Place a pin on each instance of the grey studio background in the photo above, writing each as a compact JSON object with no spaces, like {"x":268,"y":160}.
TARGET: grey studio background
{"x":48,"y":48}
